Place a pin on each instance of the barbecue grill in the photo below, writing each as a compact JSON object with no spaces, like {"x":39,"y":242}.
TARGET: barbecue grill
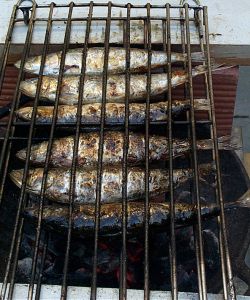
{"x":138,"y":25}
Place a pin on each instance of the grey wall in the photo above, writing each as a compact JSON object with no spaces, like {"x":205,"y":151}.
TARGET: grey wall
{"x":242,"y":107}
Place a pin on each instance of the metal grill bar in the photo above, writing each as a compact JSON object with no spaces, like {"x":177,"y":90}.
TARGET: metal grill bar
{"x":49,"y":149}
{"x":146,"y":242}
{"x":153,"y":18}
{"x":172,"y":250}
{"x":123,"y":272}
{"x":75,"y":151}
{"x":100,"y":152}
{"x":10,"y":138}
{"x":45,"y":50}
{"x":6,"y":148}
{"x":101,"y":4}
{"x":222,"y":222}
{"x":195,"y":159}
{"x":202,"y":42}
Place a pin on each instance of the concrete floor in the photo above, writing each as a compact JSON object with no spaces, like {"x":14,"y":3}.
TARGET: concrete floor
{"x":242,"y":107}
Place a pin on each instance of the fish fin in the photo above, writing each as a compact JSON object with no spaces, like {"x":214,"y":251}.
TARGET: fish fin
{"x":226,"y":142}
{"x":201,"y":104}
{"x":243,"y":201}
{"x":197,"y":56}
{"x":201,"y":69}
{"x":206,"y":170}
{"x":229,"y":142}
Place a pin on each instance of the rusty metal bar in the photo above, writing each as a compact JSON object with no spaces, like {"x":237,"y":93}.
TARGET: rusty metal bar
{"x":147,"y":116}
{"x":230,"y":285}
{"x":100,"y":153}
{"x":201,"y":263}
{"x":6,"y":149}
{"x":123,"y":278}
{"x":201,"y":33}
{"x":75,"y":152}
{"x":172,"y":248}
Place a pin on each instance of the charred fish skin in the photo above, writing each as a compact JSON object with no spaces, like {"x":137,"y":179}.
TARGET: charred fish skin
{"x":56,"y":218}
{"x":115,"y":112}
{"x":87,"y":156}
{"x":95,"y":61}
{"x":58,"y":183}
{"x":116,"y":87}
{"x":62,"y":149}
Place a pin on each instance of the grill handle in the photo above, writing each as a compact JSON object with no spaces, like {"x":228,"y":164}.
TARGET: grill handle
{"x":26,"y":10}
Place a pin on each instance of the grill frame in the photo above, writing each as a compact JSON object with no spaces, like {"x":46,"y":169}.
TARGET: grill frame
{"x":199,"y":12}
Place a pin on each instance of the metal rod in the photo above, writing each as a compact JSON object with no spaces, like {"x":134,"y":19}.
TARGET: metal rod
{"x":123,"y":278}
{"x":33,"y":118}
{"x":222,"y":256}
{"x":4,"y":164}
{"x":186,"y":95}
{"x":101,"y":4}
{"x":72,"y":125}
{"x":147,"y":115}
{"x":100,"y":153}
{"x":6,"y":147}
{"x":7,"y":44}
{"x":172,"y":249}
{"x":231,"y":288}
{"x":201,"y":263}
{"x":75,"y":153}
{"x":138,"y":18}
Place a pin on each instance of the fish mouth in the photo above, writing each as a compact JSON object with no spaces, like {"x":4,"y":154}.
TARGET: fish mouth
{"x":28,"y":87}
{"x":21,"y":154}
{"x":24,"y":113}
{"x":17,"y":176}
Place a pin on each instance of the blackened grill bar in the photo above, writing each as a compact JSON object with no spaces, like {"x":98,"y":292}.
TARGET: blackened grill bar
{"x":12,"y":125}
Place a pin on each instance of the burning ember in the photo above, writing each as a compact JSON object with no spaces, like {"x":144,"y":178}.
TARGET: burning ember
{"x":109,"y":253}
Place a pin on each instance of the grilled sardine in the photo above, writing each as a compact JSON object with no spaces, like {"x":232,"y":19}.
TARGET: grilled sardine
{"x":83,"y":219}
{"x":115,"y":112}
{"x":62,"y":149}
{"x":116,"y":87}
{"x":58,"y":183}
{"x":95,"y":61}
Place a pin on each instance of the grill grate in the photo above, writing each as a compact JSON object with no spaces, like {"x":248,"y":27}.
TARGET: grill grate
{"x":169,"y":15}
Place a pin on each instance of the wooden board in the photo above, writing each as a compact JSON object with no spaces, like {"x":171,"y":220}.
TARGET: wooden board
{"x":229,"y":35}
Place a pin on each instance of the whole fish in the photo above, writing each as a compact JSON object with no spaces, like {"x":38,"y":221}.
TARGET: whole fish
{"x":116,"y":86}
{"x":115,"y":112}
{"x":56,"y":218}
{"x":95,"y":61}
{"x":62,"y":149}
{"x":58,"y":182}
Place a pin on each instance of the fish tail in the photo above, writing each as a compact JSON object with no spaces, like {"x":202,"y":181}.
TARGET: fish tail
{"x":225,"y":142}
{"x":243,"y":201}
{"x":201,"y":69}
{"x":229,"y":142}
{"x":197,"y":57}
{"x":201,"y":104}
{"x":205,"y":170}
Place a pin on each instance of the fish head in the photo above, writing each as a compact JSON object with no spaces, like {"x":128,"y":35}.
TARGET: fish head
{"x":24,"y":113}
{"x":17,"y":177}
{"x":28,"y":87}
{"x":31,"y":65}
{"x":33,"y":180}
{"x":21,"y":154}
